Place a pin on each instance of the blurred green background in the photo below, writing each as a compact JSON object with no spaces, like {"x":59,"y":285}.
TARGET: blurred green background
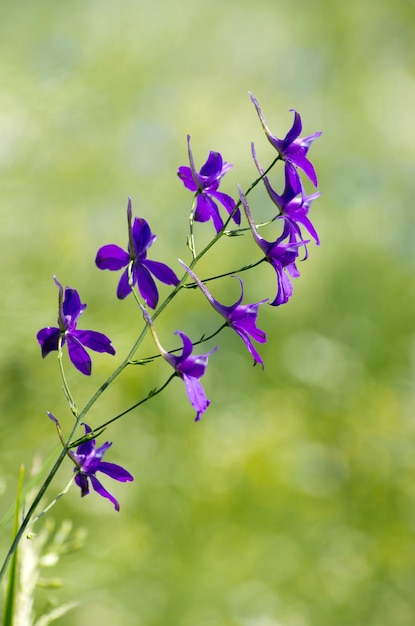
{"x":292,"y":503}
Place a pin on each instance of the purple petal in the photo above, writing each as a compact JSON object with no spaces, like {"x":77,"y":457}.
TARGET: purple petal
{"x":187,"y":345}
{"x":195,"y":365}
{"x":53,"y":418}
{"x":115,"y":471}
{"x":162,"y":272}
{"x":86,"y":448}
{"x":205,"y":209}
{"x":142,"y":236}
{"x":303,"y":163}
{"x":146,"y":285}
{"x":213,"y":166}
{"x":305,"y":221}
{"x":196,"y":395}
{"x":285,"y":288}
{"x":245,"y":319}
{"x":294,"y":131}
{"x":99,"y":488}
{"x":48,"y":339}
{"x":82,"y":482}
{"x":245,"y":338}
{"x":85,"y":452}
{"x":78,"y":355}
{"x":124,"y":289}
{"x":99,"y":453}
{"x":185,"y":174}
{"x":72,"y":306}
{"x":111,"y":257}
{"x":94,"y":340}
{"x":229,"y":203}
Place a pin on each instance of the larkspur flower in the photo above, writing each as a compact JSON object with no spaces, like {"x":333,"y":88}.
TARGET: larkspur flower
{"x":240,"y":317}
{"x":281,"y":254}
{"x":292,"y":148}
{"x":205,"y":184}
{"x":70,"y":309}
{"x":293,"y":204}
{"x":189,"y":368}
{"x":112,"y":257}
{"x":88,"y":461}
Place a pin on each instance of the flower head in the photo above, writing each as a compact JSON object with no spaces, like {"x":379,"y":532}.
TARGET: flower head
{"x":112,"y":257}
{"x":70,"y":309}
{"x":205,"y":184}
{"x":292,"y":148}
{"x":293,"y":204}
{"x":281,"y":254}
{"x":191,"y":369}
{"x":241,"y":317}
{"x":88,"y":461}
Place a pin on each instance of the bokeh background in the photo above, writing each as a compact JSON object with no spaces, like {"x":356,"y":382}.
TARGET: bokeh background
{"x":292,"y":503}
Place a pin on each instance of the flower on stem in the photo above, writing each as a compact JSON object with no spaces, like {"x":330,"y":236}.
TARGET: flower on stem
{"x":205,"y":184}
{"x":280,"y":254}
{"x":293,"y":204}
{"x":292,"y":148}
{"x":52,"y":337}
{"x":240,"y":317}
{"x":138,"y":269}
{"x":189,"y":368}
{"x":88,"y":461}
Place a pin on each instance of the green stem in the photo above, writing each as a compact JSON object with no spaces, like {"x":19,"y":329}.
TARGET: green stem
{"x":152,"y":394}
{"x":203,"y":339}
{"x":66,"y":389}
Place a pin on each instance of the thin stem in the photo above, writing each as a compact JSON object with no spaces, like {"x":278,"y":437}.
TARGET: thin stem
{"x":149,"y":359}
{"x":66,"y":389}
{"x":191,"y":239}
{"x":241,"y":269}
{"x":54,"y":501}
{"x":154,"y":392}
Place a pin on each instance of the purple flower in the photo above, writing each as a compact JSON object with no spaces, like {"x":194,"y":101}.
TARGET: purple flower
{"x":190,"y":369}
{"x":292,"y":148}
{"x":280,"y":254}
{"x":205,"y":184}
{"x":293,"y":204}
{"x":70,"y":309}
{"x":240,"y":317}
{"x":112,"y":257}
{"x":88,"y":460}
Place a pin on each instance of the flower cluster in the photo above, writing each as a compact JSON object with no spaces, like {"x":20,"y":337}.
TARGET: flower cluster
{"x":291,"y":206}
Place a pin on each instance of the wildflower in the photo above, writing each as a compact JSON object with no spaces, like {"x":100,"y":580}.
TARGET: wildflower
{"x":240,"y":317}
{"x":112,"y":257}
{"x":292,"y":148}
{"x":51,"y":338}
{"x":205,"y":184}
{"x":280,"y":255}
{"x":191,"y":369}
{"x":293,"y":204}
{"x":88,"y":461}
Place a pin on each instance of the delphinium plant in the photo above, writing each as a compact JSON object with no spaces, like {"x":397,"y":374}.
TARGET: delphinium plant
{"x":231,"y":215}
